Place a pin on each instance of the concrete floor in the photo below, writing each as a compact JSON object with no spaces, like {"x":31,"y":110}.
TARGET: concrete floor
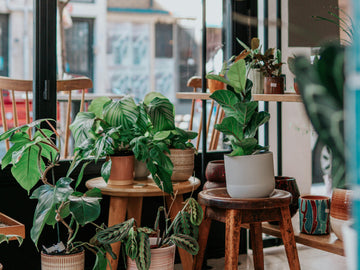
{"x":275,"y":259}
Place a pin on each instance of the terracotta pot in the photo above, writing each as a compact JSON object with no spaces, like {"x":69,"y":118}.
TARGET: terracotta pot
{"x":257,"y":78}
{"x":250,"y":176}
{"x":161,"y":258}
{"x":274,"y":85}
{"x":183,"y":161}
{"x":122,"y":170}
{"x":63,"y":262}
{"x":215,"y":174}
{"x":140,"y":170}
{"x":288,"y":184}
{"x":296,"y":87}
{"x":340,"y":210}
{"x":214,"y":85}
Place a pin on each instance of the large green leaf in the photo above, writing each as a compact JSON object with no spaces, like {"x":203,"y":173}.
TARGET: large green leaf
{"x":81,"y":126}
{"x":143,"y":260}
{"x":97,"y":106}
{"x":259,"y":119}
{"x":48,"y":197}
{"x":185,"y":242}
{"x":26,"y":171}
{"x":225,"y":98}
{"x":161,"y":113}
{"x":8,"y":156}
{"x":121,"y":112}
{"x":230,"y":126}
{"x":142,"y":121}
{"x":22,"y":128}
{"x":237,"y":76}
{"x":244,"y":112}
{"x":85,"y":209}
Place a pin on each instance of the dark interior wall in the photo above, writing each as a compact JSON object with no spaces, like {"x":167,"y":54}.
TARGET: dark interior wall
{"x":306,"y":31}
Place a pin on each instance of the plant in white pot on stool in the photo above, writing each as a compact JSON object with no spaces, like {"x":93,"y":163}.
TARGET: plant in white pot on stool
{"x":249,"y":170}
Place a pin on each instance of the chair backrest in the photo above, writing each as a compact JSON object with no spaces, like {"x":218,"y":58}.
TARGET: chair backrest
{"x":16,"y":104}
{"x":196,"y":83}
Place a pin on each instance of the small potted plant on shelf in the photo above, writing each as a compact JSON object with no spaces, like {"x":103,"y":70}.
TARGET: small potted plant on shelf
{"x":244,"y":179}
{"x":253,"y":66}
{"x":214,"y":85}
{"x":271,"y":67}
{"x":59,"y":203}
{"x":148,"y":248}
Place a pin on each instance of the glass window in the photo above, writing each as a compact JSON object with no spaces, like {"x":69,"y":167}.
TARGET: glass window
{"x":79,"y":47}
{"x":164,"y":40}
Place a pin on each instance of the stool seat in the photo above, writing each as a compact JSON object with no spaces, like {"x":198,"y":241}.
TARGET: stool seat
{"x":218,"y":205}
{"x":220,"y":198}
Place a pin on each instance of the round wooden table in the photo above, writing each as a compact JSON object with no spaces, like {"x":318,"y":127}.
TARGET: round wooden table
{"x":128,"y":200}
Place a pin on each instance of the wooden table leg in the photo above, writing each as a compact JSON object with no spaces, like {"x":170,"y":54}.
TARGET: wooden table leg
{"x":117,"y":214}
{"x":134,"y":208}
{"x":232,"y":238}
{"x":204,"y":230}
{"x":177,"y":205}
{"x":257,"y":245}
{"x":288,"y":238}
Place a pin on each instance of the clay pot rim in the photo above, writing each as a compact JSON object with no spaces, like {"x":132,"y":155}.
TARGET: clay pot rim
{"x":310,"y":197}
{"x":217,"y":161}
{"x":80,"y":252}
{"x":284,"y":178}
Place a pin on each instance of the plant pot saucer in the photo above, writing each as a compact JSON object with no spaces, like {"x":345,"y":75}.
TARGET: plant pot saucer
{"x":11,"y":226}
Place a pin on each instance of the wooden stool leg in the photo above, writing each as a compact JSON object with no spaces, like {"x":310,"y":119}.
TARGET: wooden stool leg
{"x":232,"y":238}
{"x":177,"y":205}
{"x":257,"y":245}
{"x":288,"y":238}
{"x":204,"y":230}
{"x":117,"y":214}
{"x":134,"y":209}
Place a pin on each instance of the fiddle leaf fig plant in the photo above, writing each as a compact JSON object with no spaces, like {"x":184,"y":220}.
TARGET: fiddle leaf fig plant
{"x":242,"y":118}
{"x":183,"y":232}
{"x":32,"y":159}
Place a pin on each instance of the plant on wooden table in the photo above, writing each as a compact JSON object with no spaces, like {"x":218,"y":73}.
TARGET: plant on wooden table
{"x":240,"y":126}
{"x":182,"y":231}
{"x":160,"y":137}
{"x":59,"y":203}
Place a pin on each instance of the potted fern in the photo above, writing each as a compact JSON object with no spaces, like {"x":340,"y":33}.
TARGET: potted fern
{"x":59,"y":202}
{"x":153,"y":248}
{"x":244,"y":179}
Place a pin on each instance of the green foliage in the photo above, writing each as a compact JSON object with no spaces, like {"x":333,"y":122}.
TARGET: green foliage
{"x":182,"y":232}
{"x":242,"y":118}
{"x":322,"y":90}
{"x":270,"y":62}
{"x":32,"y":158}
{"x":6,"y":238}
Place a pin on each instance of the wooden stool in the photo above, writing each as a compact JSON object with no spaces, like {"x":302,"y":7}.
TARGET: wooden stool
{"x":218,"y":205}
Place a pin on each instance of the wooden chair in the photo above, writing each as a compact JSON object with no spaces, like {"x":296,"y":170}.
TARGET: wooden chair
{"x":16,"y":103}
{"x":196,"y":83}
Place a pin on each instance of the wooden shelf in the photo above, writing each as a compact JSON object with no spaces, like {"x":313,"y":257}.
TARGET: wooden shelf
{"x":193,"y":95}
{"x":329,"y":243}
{"x":12,"y":226}
{"x":287,"y":97}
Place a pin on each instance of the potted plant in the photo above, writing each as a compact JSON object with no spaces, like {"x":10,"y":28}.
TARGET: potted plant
{"x":244,"y":179}
{"x":59,"y":203}
{"x":148,"y":248}
{"x":214,"y":85}
{"x":253,"y":66}
{"x":163,"y":136}
{"x":106,"y":131}
{"x":271,"y":67}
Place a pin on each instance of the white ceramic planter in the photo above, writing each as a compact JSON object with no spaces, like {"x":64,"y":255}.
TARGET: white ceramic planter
{"x":257,"y":77}
{"x":250,"y":176}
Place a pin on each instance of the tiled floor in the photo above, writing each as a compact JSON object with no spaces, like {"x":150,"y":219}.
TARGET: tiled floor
{"x":275,"y":259}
